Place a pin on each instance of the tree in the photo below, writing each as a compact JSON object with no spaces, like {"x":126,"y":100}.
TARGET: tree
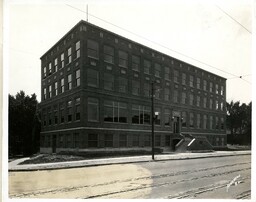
{"x":24,"y":124}
{"x":239,"y":121}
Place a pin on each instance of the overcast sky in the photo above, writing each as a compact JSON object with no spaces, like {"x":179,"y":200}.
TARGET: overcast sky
{"x":215,"y":36}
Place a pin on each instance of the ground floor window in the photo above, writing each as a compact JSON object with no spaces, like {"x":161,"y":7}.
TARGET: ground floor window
{"x":135,"y":140}
{"x":147,"y":139}
{"x":123,"y":140}
{"x":167,"y":140}
{"x":157,"y":140}
{"x":108,"y":140}
{"x":76,"y":140}
{"x":92,"y":140}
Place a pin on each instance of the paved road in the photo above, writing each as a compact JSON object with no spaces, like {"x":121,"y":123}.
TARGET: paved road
{"x":195,"y":178}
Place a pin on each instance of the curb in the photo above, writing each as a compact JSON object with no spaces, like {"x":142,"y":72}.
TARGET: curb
{"x":121,"y":160}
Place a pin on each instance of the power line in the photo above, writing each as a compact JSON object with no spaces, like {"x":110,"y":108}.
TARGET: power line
{"x":233,"y":19}
{"x":154,"y":42}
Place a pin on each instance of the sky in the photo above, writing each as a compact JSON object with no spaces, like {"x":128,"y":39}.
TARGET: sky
{"x":213,"y":35}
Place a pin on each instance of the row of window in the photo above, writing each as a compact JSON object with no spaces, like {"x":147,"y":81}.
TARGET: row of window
{"x":117,"y":112}
{"x":76,"y":140}
{"x":63,"y":84}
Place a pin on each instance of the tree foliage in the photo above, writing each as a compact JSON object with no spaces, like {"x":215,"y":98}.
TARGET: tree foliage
{"x":239,"y":118}
{"x":24,"y":124}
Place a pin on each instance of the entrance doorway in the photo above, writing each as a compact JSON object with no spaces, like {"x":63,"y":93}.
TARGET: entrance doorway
{"x":176,"y":124}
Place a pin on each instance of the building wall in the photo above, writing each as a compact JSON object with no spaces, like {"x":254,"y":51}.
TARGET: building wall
{"x":87,"y":100}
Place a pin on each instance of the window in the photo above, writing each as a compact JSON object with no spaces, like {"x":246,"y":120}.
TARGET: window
{"x":123,"y":58}
{"x":221,"y":106}
{"x":176,"y":76}
{"x":167,"y":115}
{"x":167,"y":75}
{"x":211,"y":104}
{"x":61,"y":141}
{"x":140,"y":114}
{"x":93,"y":109}
{"x":115,"y":112}
{"x":78,"y":49}
{"x":108,"y":81}
{"x":55,"y":115}
{"x":147,"y":141}
{"x":158,"y":118}
{"x":166,"y":94}
{"x":135,"y":140}
{"x":191,"y":81}
{"x":92,"y":49}
{"x":184,"y":77}
{"x":69,"y":81}
{"x":122,"y":140}
{"x":50,"y":68}
{"x":198,"y":101}
{"x":157,"y":70}
{"x":217,"y":89}
{"x":44,"y":93}
{"x":211,"y":123}
{"x":198,"y":121}
{"x":108,"y":140}
{"x":77,"y":109}
{"x":62,"y":60}
{"x":183,"y":98}
{"x":49,"y":116}
{"x":167,"y":140}
{"x":69,"y":55}
{"x":62,"y":85}
{"x":69,"y":140}
{"x":205,"y":85}
{"x":217,"y":104}
{"x":92,"y":78}
{"x":210,"y":88}
{"x":55,"y":65}
{"x":204,"y":102}
{"x":222,"y":123}
{"x":205,"y":122}
{"x":69,"y":110}
{"x":147,"y":66}
{"x":76,"y":140}
{"x":175,"y":96}
{"x":184,"y":119}
{"x":50,"y":91}
{"x":146,"y":89}
{"x":109,"y":54}
{"x":157,"y":92}
{"x":221,"y":90}
{"x":191,"y":120}
{"x":216,"y":122}
{"x":158,"y":141}
{"x":78,"y":78}
{"x":198,"y":83}
{"x":135,"y":87}
{"x":123,"y":85}
{"x":92,"y":140}
{"x":191,"y":99}
{"x":62,"y":113}
{"x":135,"y":63}
{"x":44,"y":75}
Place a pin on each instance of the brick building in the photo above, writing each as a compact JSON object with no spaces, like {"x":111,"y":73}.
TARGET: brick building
{"x":96,"y":94}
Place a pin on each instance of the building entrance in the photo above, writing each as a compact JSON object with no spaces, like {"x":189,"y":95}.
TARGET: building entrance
{"x":176,"y":124}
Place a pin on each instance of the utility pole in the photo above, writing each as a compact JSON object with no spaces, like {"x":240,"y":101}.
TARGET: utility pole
{"x":153,"y":119}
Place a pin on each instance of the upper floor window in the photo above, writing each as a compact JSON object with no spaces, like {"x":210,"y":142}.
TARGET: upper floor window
{"x":62,"y":60}
{"x":184,"y":77}
{"x":78,"y":77}
{"x":140,"y":114}
{"x":184,"y":119}
{"x":166,"y":94}
{"x":135,"y":63}
{"x":109,"y":54}
{"x":62,"y":85}
{"x":175,"y":96}
{"x":123,"y":85}
{"x":56,"y":88}
{"x":198,"y":83}
{"x":93,"y":109}
{"x":92,"y":49}
{"x":44,"y":93}
{"x":115,"y":111}
{"x":183,"y":97}
{"x":211,"y":87}
{"x":78,"y":49}
{"x":123,"y":58}
{"x":167,"y":73}
{"x":108,"y":81}
{"x":56,"y":65}
{"x":69,"y":55}
{"x":50,"y":68}
{"x":69,"y":81}
{"x":176,"y":76}
{"x":50,"y":91}
{"x":217,"y":89}
{"x":191,"y":120}
{"x":221,"y":90}
{"x":191,"y":81}
{"x":205,"y":85}
{"x":44,"y":72}
{"x":135,"y":87}
{"x":147,"y":66}
{"x":92,"y":78}
{"x":157,"y":70}
{"x":191,"y":99}
{"x":198,"y":101}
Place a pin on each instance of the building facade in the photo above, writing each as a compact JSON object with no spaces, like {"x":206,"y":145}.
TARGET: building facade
{"x":96,"y":95}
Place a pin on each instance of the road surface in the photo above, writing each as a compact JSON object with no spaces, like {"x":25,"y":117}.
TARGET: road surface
{"x":207,"y":178}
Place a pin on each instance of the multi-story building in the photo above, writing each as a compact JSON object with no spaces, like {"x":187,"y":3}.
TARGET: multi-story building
{"x":96,"y":94}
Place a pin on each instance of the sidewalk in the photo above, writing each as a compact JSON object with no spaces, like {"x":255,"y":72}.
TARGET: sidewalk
{"x":13,"y":166}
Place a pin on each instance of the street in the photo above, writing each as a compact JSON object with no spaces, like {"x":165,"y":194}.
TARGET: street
{"x":207,"y":178}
